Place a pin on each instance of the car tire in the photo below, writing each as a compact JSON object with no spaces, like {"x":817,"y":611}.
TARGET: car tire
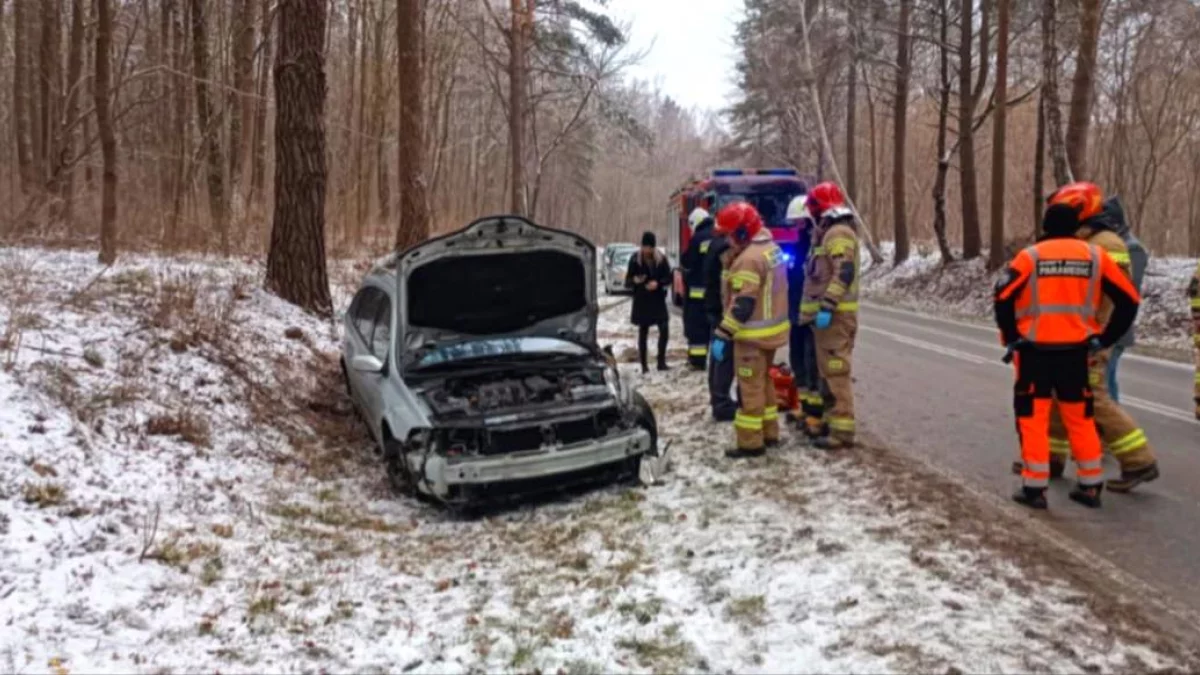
{"x":398,"y":478}
{"x":646,"y":420}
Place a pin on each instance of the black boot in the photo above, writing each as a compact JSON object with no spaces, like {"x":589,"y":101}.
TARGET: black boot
{"x":662,"y":364}
{"x":1034,"y":498}
{"x":1089,"y":495}
{"x":744,"y":453}
{"x":1131,"y":478}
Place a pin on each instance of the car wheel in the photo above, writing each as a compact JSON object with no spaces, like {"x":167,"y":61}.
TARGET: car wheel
{"x":646,"y":420}
{"x":393,"y":458}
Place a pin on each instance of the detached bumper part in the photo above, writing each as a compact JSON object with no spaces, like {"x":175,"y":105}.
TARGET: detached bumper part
{"x":547,"y":462}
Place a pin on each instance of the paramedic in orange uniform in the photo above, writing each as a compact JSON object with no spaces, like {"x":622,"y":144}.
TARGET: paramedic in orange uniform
{"x":1046,"y":307}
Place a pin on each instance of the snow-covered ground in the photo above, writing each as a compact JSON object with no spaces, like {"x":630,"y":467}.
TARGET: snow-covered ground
{"x":183,"y":488}
{"x":964,"y":290}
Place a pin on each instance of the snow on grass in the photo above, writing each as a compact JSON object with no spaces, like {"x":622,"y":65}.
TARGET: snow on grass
{"x":183,"y":487}
{"x":964,"y":290}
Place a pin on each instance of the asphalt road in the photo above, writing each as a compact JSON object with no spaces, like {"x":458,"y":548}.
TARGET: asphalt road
{"x":937,"y":389}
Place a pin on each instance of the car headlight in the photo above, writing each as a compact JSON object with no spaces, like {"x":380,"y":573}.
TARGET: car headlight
{"x":619,"y":391}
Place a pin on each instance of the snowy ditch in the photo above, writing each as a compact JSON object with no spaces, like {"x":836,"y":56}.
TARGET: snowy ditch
{"x":183,"y":488}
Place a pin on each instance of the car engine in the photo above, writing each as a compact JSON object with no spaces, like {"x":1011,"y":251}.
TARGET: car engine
{"x":494,"y":393}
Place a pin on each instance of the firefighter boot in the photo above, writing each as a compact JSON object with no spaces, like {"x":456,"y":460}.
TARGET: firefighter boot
{"x":1131,"y":478}
{"x":741,"y":453}
{"x":1088,"y":495}
{"x":1033,"y":497}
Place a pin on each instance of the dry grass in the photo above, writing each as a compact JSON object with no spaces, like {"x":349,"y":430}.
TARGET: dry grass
{"x":187,"y":425}
{"x":44,"y":495}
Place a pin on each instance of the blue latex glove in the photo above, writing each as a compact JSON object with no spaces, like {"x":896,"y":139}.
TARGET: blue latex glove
{"x":824,"y":318}
{"x":717,"y":349}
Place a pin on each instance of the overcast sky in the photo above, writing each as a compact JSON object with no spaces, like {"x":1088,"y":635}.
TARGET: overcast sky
{"x":691,"y":46}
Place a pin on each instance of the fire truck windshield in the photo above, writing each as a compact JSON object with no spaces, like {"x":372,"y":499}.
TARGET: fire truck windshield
{"x":772,"y":206}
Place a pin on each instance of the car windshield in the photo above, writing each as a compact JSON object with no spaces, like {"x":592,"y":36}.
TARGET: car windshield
{"x":621,"y":259}
{"x":488,"y":348}
{"x":772,"y":206}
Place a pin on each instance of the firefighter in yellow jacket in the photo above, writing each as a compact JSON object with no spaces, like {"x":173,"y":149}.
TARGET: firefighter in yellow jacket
{"x":1125,"y":440}
{"x":830,"y":304}
{"x":1194,"y":299}
{"x":755,"y":322}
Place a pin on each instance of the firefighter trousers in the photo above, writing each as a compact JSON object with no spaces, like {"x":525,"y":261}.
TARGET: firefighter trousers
{"x":757,"y":420}
{"x":1045,"y":377}
{"x":835,"y":349}
{"x":696,"y":328}
{"x":1125,"y":440}
{"x":802,"y":356}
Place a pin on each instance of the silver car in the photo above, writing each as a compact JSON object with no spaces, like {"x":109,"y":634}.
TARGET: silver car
{"x":473,"y":360}
{"x":615,"y":263}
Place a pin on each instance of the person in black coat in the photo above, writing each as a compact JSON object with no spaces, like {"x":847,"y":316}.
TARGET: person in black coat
{"x":650,"y":275}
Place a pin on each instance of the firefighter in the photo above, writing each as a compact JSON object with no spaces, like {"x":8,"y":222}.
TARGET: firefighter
{"x":756,"y":323}
{"x":716,"y":295}
{"x":830,"y":305}
{"x":695,"y":323}
{"x":802,"y":347}
{"x":1100,"y":226}
{"x":1047,"y":306}
{"x":1194,"y":299}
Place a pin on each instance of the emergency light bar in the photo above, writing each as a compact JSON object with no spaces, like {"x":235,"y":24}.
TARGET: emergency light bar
{"x":717,"y":173}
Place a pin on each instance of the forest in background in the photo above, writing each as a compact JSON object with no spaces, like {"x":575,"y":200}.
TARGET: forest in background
{"x":190,"y":116}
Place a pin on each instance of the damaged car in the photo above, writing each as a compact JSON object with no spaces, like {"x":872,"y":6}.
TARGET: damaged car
{"x":473,"y":359}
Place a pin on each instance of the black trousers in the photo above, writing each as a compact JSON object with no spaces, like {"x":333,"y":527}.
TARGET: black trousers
{"x":663,"y":335}
{"x":697,"y":331}
{"x":720,"y":386}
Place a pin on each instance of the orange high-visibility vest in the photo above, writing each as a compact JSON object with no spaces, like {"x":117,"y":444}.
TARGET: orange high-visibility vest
{"x":1060,"y":284}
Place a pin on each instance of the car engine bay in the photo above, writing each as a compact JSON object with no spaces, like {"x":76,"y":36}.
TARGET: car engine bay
{"x":490,"y":393}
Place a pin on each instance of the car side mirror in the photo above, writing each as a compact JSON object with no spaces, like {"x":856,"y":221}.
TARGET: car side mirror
{"x":367,"y":363}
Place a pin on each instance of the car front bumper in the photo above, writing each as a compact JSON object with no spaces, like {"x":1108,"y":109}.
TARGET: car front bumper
{"x":443,"y":475}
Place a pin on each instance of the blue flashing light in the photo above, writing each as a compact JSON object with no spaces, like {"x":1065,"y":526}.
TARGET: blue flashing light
{"x":777,"y":172}
{"x":727,"y":172}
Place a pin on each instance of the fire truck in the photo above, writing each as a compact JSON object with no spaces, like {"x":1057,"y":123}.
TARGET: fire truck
{"x":769,"y":190}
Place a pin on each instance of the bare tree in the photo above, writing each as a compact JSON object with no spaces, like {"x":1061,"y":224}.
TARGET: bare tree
{"x":1051,"y":105}
{"x":970,"y":90}
{"x":943,"y":154}
{"x":296,"y":259}
{"x":996,"y":254}
{"x":414,"y":203}
{"x":21,"y":95}
{"x":1083,"y":86}
{"x":108,"y":139}
{"x":518,"y":92}
{"x":75,"y":86}
{"x":900,"y":136}
{"x":206,"y":118}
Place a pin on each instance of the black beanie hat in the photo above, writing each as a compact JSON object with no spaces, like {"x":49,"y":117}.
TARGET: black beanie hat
{"x":648,"y":239}
{"x":1060,"y":220}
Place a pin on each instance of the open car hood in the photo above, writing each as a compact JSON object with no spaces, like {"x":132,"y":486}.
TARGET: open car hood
{"x":501,"y":276}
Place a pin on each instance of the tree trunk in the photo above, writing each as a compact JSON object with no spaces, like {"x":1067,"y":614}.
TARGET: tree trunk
{"x":21,"y":95}
{"x":851,"y":128}
{"x":871,"y":123}
{"x":1039,"y":164}
{"x":1052,"y":107}
{"x":108,"y":139}
{"x":379,"y":118}
{"x":1082,"y":86}
{"x":258,"y":161}
{"x":218,"y":203}
{"x":241,"y":100}
{"x":522,"y":17}
{"x":900,"y":137}
{"x":51,"y":92}
{"x":414,"y":205}
{"x":943,"y":154}
{"x":75,"y":89}
{"x":181,"y":148}
{"x":362,"y":182}
{"x":296,"y":259}
{"x":996,"y":256}
{"x":966,"y":138}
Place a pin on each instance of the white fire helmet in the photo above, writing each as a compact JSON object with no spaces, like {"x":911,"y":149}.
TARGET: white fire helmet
{"x":698,"y":215}
{"x":797,"y":210}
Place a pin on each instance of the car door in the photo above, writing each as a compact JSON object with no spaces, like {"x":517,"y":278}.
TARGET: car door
{"x":358,"y":340}
{"x":380,"y":347}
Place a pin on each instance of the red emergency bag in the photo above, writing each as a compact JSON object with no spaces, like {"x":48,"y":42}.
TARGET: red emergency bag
{"x":786,"y":396}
